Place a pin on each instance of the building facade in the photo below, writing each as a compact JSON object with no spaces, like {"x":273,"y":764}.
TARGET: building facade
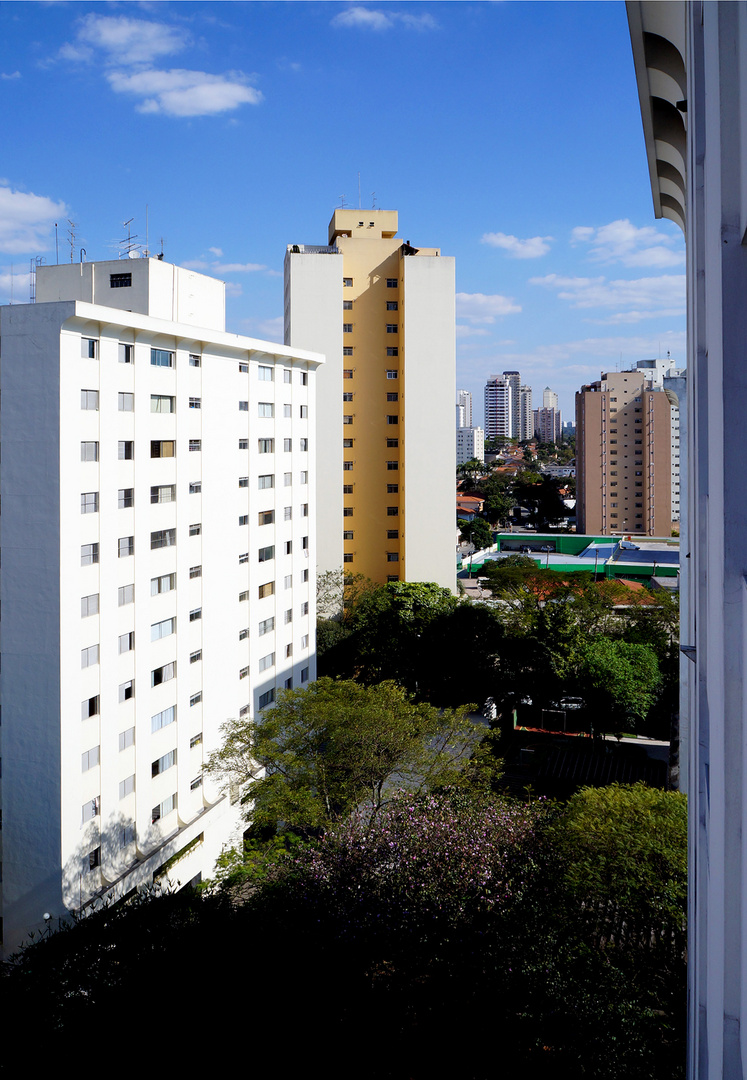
{"x":464,"y":409}
{"x":158,"y":490}
{"x":470,"y":444}
{"x":691,"y":70}
{"x":623,"y":456}
{"x":498,"y":409}
{"x":547,"y":425}
{"x":383,"y":313}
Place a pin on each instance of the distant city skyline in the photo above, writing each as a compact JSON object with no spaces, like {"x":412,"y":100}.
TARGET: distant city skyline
{"x":219,"y":119}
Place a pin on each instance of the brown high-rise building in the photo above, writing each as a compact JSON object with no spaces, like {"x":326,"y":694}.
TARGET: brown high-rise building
{"x":623,"y":457}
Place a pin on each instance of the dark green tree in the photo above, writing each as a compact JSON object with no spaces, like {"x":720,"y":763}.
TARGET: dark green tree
{"x":476,"y":532}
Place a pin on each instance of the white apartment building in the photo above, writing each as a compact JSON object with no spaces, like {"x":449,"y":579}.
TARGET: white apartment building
{"x":470,"y":443}
{"x":464,"y":408}
{"x":663,"y":373}
{"x":526,"y":414}
{"x":498,"y":408}
{"x":158,"y":487}
{"x":547,"y":425}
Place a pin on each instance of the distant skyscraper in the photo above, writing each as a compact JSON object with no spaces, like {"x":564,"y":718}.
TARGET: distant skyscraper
{"x":470,"y":443}
{"x":498,"y":409}
{"x":464,"y":408}
{"x":513,"y":378}
{"x":549,"y":399}
{"x":547,"y":425}
{"x":526,"y":420}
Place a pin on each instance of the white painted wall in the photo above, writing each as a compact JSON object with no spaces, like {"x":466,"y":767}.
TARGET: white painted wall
{"x":427,"y":377}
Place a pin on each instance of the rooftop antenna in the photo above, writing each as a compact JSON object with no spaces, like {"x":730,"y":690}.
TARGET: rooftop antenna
{"x":56,"y":246}
{"x":128,"y":247}
{"x":146,"y":253}
{"x":359,"y":191}
{"x":373,"y":200}
{"x":73,"y":225}
{"x":160,"y":255}
{"x":342,"y":201}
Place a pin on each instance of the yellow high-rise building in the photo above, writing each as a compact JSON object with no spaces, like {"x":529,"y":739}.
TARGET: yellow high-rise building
{"x":382,"y":311}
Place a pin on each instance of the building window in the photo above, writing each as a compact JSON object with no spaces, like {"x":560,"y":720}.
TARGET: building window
{"x":266,"y":590}
{"x":305,"y":607}
{"x":392,"y":534}
{"x":392,"y":556}
{"x":126,"y":546}
{"x":244,"y":558}
{"x":162,"y":538}
{"x":347,"y":282}
{"x":89,"y":502}
{"x":347,"y":350}
{"x":126,"y":690}
{"x":266,"y":554}
{"x":347,"y":444}
{"x":304,"y":479}
{"x":392,"y":374}
{"x":126,"y":642}
{"x":243,"y":444}
{"x":392,"y":328}
{"x":90,"y":809}
{"x":90,"y":707}
{"x":125,"y":498}
{"x":244,"y":634}
{"x":266,"y":446}
{"x":162,"y":403}
{"x":89,"y":451}
{"x":160,"y":765}
{"x":161,"y":358}
{"x":347,"y":305}
{"x":196,"y":740}
{"x":304,"y":509}
{"x":243,"y":406}
{"x":265,"y":409}
{"x":163,"y":493}
{"x":306,"y":575}
{"x":195,"y":699}
{"x":287,"y":513}
{"x":392,"y":350}
{"x":88,"y":348}
{"x":267,"y":661}
{"x":392,"y":305}
{"x":392,"y":577}
{"x":195,"y":487}
{"x":265,"y":481}
{"x":392,"y":419}
{"x":195,"y":360}
{"x":304,"y":445}
{"x":392,"y":282}
{"x":194,"y":658}
{"x":126,"y":451}
{"x":89,"y":605}
{"x":288,"y":581}
{"x":304,"y":378}
{"x":347,"y":557}
{"x":194,"y":444}
{"x":347,"y":511}
{"x":195,"y":403}
{"x":392,"y":443}
{"x":195,"y":614}
{"x":162,"y":629}
{"x":304,"y":412}
{"x":347,"y":328}
{"x":287,"y":375}
{"x":89,"y":554}
{"x":347,"y":535}
{"x":288,"y":547}
{"x":163,"y":809}
{"x":266,"y":699}
{"x":392,"y":397}
{"x":244,"y":673}
{"x":163,"y":719}
{"x":162,"y":584}
{"x":196,"y":529}
{"x":287,"y":446}
{"x":195,"y":572}
{"x":392,"y":489}
{"x":347,"y":374}
{"x":264,"y":373}
{"x":89,"y":399}
{"x":243,"y":595}
{"x":392,"y":511}
{"x":126,"y":738}
{"x":163,"y":674}
{"x":126,"y":353}
{"x":347,"y":489}
{"x":125,"y":595}
{"x":287,"y":479}
{"x":392,"y":466}
{"x":164,"y":448}
{"x":126,"y":402}
{"x":196,"y":783}
{"x":347,"y":466}
{"x":120,"y":281}
{"x":266,"y":626}
{"x":266,"y":517}
{"x":287,"y":412}
{"x":243,"y":369}
{"x":304,"y":674}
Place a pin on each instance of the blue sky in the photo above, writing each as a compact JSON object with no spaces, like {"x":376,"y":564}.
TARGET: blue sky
{"x":507,"y":134}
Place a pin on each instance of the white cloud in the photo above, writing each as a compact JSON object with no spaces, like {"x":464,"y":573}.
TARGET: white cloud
{"x":621,"y":241}
{"x":26,"y":221}
{"x":185,"y":93}
{"x":11,"y":75}
{"x":237,"y":268}
{"x":470,"y":331}
{"x":479,"y":308}
{"x":663,"y":295}
{"x":267,"y":329}
{"x":218,"y":252}
{"x":531,"y":248}
{"x":361,"y":18}
{"x":15,"y":285}
{"x":130,"y":41}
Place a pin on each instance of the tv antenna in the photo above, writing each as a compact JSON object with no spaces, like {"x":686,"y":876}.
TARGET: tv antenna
{"x":72,"y":226}
{"x":342,"y":201}
{"x":128,"y":249}
{"x":373,"y":200}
